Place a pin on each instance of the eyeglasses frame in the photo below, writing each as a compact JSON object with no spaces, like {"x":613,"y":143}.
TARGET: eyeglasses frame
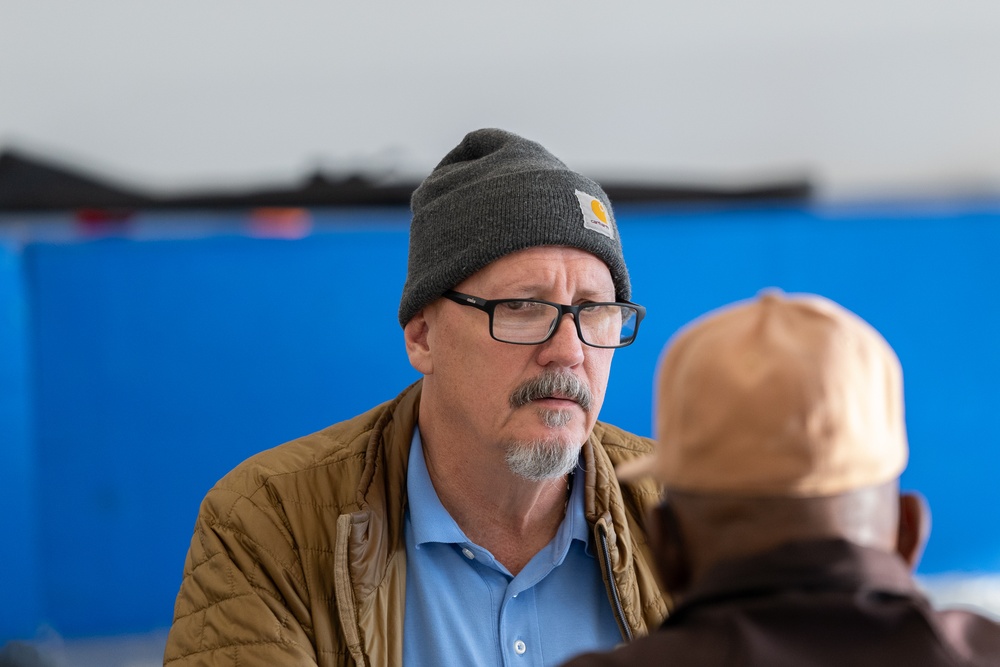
{"x":488,"y":306}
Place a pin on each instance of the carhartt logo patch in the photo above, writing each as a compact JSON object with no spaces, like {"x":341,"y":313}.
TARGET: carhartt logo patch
{"x":595,"y":215}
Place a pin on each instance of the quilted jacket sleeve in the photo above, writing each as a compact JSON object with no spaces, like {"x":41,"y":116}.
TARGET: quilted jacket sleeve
{"x":243,"y":597}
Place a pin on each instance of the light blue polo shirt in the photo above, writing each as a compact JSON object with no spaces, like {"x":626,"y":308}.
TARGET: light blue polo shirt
{"x":464,"y":608}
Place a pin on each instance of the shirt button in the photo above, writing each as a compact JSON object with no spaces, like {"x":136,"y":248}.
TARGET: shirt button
{"x":468,"y":554}
{"x":519,"y":647}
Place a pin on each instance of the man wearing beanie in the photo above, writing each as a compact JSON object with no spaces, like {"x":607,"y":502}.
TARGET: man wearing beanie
{"x":476,"y":518}
{"x":783,"y":534}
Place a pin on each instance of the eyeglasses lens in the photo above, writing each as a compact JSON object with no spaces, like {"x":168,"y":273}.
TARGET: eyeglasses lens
{"x":531,"y":322}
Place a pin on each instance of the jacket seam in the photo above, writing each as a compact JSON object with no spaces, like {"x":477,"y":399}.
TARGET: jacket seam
{"x":240,"y":535}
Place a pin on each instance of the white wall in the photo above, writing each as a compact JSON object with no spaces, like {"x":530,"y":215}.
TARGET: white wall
{"x":871,"y":97}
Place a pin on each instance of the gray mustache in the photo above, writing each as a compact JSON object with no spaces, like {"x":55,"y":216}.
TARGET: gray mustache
{"x":563,"y":385}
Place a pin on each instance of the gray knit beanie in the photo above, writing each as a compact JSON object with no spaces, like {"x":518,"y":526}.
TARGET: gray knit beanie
{"x":492,"y":195}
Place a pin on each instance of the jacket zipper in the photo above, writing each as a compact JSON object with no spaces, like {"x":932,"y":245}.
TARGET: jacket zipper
{"x":602,"y":532}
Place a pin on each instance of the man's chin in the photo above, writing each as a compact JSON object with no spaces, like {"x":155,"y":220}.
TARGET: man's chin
{"x":567,"y":427}
{"x":541,"y":459}
{"x":565,"y":437}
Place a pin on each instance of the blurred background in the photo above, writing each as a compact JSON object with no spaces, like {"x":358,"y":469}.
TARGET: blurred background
{"x":203,"y":220}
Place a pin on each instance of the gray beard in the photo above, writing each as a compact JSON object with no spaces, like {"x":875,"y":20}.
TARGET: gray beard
{"x":539,"y":460}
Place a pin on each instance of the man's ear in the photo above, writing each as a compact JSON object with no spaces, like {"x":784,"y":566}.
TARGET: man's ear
{"x":668,"y":549}
{"x":914,"y":527}
{"x":418,"y":349}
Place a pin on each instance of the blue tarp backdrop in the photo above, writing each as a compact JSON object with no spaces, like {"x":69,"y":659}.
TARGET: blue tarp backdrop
{"x":137,"y":370}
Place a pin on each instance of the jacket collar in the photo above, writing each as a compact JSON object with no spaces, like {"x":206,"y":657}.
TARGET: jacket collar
{"x":817,"y":565}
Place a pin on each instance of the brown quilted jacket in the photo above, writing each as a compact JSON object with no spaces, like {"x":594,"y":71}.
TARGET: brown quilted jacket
{"x":298,"y":556}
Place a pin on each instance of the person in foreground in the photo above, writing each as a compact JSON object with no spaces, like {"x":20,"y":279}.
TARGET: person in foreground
{"x":783,"y":534}
{"x":476,"y":518}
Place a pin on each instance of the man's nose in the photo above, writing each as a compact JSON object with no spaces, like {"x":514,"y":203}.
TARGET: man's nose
{"x":565,"y":347}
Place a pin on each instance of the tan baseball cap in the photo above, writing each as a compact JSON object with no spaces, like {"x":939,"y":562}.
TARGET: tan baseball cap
{"x":778,"y":395}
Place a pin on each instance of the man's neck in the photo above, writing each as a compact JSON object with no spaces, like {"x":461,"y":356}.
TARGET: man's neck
{"x":510,"y":516}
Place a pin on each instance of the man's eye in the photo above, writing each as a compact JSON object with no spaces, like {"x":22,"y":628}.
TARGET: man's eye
{"x":524,"y":307}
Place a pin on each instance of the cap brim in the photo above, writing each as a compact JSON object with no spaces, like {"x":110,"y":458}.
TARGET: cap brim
{"x":636,"y":469}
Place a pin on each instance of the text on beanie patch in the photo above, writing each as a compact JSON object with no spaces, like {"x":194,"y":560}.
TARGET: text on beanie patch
{"x":595,"y":216}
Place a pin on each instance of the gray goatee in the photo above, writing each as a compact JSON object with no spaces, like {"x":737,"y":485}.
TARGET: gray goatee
{"x":539,"y":460}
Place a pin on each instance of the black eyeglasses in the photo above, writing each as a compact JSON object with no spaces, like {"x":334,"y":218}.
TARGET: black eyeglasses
{"x":532,"y":321}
